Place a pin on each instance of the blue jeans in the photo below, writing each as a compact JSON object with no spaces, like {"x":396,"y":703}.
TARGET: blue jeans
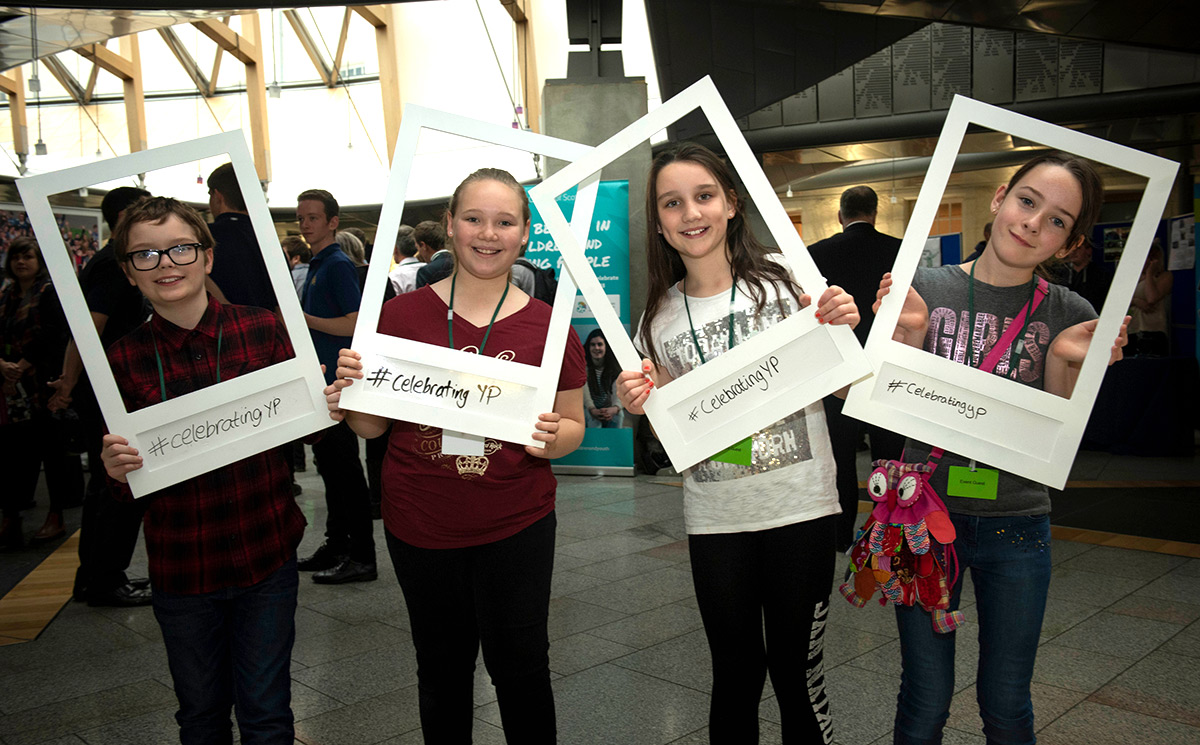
{"x":232,"y":647}
{"x":1009,"y":559}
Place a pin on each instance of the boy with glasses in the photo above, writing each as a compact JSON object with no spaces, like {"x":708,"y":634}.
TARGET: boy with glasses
{"x":222,"y":545}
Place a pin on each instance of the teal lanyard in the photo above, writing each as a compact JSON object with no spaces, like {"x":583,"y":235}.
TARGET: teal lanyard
{"x":162,"y":381}
{"x":1020,"y":343}
{"x":695,"y":341}
{"x":450,"y":314}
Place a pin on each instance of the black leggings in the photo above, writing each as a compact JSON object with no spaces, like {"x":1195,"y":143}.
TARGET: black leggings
{"x":497,"y":594}
{"x":779,"y":579}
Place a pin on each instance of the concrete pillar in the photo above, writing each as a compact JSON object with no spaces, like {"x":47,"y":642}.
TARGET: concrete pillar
{"x":589,"y":112}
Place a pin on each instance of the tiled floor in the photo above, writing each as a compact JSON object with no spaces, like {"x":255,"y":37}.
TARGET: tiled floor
{"x":1120,"y":646}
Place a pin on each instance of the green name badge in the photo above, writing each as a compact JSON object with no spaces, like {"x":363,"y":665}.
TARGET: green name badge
{"x":739,"y":454}
{"x":982,"y":483}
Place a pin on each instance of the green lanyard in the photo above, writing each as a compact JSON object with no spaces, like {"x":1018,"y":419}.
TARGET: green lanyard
{"x":450,"y":314}
{"x":1020,"y":344}
{"x":162,"y":381}
{"x":732,"y":297}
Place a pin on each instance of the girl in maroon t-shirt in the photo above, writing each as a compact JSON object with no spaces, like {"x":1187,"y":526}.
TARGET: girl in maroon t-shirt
{"x":472,"y":537}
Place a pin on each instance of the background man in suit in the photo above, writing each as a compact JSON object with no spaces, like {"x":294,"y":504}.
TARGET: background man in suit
{"x":855,"y":260}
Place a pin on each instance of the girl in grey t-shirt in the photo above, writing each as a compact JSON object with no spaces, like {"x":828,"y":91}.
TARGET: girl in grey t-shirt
{"x":1003,"y":536}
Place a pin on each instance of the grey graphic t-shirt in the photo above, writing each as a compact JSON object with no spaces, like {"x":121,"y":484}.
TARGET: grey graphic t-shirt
{"x":791,"y":476}
{"x":944,"y":291}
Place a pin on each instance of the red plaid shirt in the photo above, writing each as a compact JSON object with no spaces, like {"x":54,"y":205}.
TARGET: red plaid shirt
{"x":233,"y":526}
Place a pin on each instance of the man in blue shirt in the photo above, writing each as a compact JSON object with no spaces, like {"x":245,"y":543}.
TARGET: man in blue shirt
{"x":330,"y":302}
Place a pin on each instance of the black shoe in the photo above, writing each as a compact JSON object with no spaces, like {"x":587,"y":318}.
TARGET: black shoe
{"x":125,"y":596}
{"x":324,"y":558}
{"x":297,"y":490}
{"x":348,"y":570}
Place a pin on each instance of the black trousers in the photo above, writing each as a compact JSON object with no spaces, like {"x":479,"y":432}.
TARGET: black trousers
{"x":348,"y":523}
{"x":497,"y":595}
{"x":844,"y":435}
{"x":109,"y":527}
{"x":764,"y":599}
{"x":28,"y":446}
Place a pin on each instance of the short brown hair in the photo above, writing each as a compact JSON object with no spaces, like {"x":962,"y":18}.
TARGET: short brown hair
{"x":223,"y":180}
{"x":294,"y":245}
{"x":431,"y":233}
{"x":325,"y":198}
{"x":156,"y":210}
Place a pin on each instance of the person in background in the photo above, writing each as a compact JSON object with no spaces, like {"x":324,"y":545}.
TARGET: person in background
{"x":298,"y":255}
{"x":404,"y":276}
{"x":33,"y":337}
{"x":601,"y":408}
{"x":109,"y":526}
{"x":239,"y":274}
{"x":856,"y":259}
{"x":352,"y":246}
{"x":431,"y":248}
{"x":1089,"y":282}
{"x":987,"y":236}
{"x":330,"y":302}
{"x":1150,"y":309}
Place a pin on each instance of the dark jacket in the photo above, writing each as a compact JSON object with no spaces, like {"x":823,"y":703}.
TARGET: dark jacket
{"x":855,"y":260}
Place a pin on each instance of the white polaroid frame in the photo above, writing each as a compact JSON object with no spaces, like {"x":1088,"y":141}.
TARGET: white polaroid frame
{"x":455,"y":389}
{"x":223,"y":423}
{"x":762,"y":379}
{"x":1000,"y":422}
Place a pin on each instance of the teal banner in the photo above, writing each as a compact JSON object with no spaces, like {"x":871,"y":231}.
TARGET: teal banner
{"x":607,"y":442}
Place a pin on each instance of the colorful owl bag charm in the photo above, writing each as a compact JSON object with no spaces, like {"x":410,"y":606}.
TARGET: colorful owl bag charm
{"x":905,"y":549}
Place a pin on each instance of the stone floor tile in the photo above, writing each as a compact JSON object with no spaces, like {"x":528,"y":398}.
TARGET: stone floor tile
{"x":886,"y":658}
{"x":308,"y":703}
{"x":363,"y":676}
{"x":862,"y":703}
{"x":89,"y":675}
{"x":598,"y":522}
{"x":1063,"y":551}
{"x":311,"y":623}
{"x":1093,"y":724}
{"x":563,"y":584}
{"x":1156,"y":609}
{"x":610,"y":546}
{"x":623,"y":567}
{"x":1118,"y":635}
{"x":676,"y":551}
{"x":63,"y":717}
{"x":1121,"y":562}
{"x":661,"y":506}
{"x":581,"y":651}
{"x":570,"y":616}
{"x":151,"y":728}
{"x":1063,"y":615}
{"x":347,"y":642}
{"x":1152,"y":687}
{"x":1173,"y":587}
{"x":1076,"y":669}
{"x":482,"y":733}
{"x":651,"y":627}
{"x":642,"y":592}
{"x":1186,"y":642}
{"x":769,"y":733}
{"x":844,"y":643}
{"x":369,"y":721}
{"x":1090,"y":588}
{"x":684,"y":660}
{"x":637,"y":709}
{"x":1049,"y":703}
{"x":1190,"y":568}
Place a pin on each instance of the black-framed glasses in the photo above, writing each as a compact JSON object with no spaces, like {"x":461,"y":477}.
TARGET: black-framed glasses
{"x":181,"y":255}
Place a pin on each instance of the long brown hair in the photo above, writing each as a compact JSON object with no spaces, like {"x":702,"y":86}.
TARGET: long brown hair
{"x":1090,"y":186}
{"x":748,"y":258}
